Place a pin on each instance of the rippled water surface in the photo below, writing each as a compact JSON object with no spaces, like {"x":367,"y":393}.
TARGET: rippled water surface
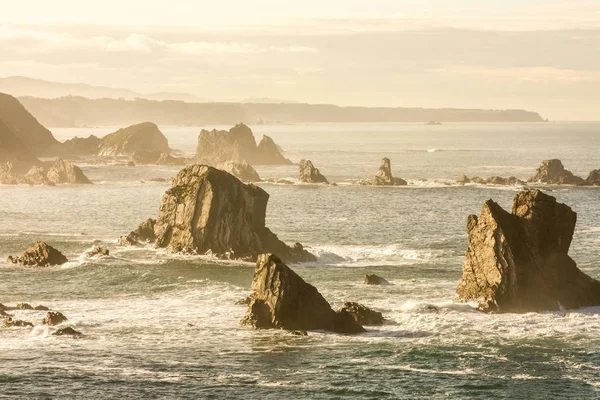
{"x":159,"y":325}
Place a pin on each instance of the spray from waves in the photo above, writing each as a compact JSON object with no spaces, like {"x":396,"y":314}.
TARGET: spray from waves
{"x":364,"y":256}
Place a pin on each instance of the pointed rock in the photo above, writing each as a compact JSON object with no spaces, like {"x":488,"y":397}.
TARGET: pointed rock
{"x":66,"y":172}
{"x":309,"y":174}
{"x":553,"y":172}
{"x":40,"y":254}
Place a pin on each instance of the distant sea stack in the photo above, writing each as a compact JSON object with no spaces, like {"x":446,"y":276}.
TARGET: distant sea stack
{"x":237,"y":145}
{"x":384,"y":177}
{"x":140,"y":137}
{"x":553,"y":172}
{"x":519,"y":262}
{"x":309,"y":174}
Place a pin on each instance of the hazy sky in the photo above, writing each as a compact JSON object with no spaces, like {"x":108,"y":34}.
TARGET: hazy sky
{"x":532,"y":54}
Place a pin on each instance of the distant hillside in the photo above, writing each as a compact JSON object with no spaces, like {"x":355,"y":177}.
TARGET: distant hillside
{"x":21,"y":86}
{"x":78,"y":111}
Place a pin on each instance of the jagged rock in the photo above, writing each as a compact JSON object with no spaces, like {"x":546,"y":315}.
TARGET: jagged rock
{"x":98,"y":251}
{"x":268,"y":153}
{"x":553,"y":172}
{"x":498,"y":180}
{"x":384,"y":176}
{"x":67,"y":331}
{"x":7,"y":173}
{"x":40,"y":254}
{"x":462,"y":179}
{"x":143,"y":233}
{"x":81,"y":146}
{"x":24,"y":306}
{"x":53,"y":318}
{"x":237,"y":145}
{"x":593,"y":178}
{"x":363,"y":315}
{"x":518,"y":262}
{"x":37,"y":176}
{"x":281,"y":299}
{"x":372,"y":279}
{"x":209,"y":210}
{"x":244,"y":302}
{"x":128,"y":241}
{"x":66,"y":172}
{"x":309,"y":174}
{"x":140,"y":137}
{"x":9,"y":322}
{"x":244,"y":171}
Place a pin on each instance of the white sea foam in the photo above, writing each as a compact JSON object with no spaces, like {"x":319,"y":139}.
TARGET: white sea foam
{"x":374,"y":255}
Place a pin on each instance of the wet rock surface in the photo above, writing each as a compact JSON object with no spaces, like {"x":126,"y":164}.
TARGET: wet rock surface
{"x":40,"y":254}
{"x":53,"y":318}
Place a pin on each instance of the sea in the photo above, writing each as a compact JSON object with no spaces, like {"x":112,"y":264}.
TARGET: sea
{"x":159,"y":325}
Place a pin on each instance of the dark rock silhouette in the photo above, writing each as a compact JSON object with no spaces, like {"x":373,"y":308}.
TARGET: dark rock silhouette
{"x":209,"y":210}
{"x":140,"y":137}
{"x":372,"y":279}
{"x":98,"y":251}
{"x":309,"y":174}
{"x":384,"y":176}
{"x":281,"y":299}
{"x":363,"y":315}
{"x":67,"y":331}
{"x":143,"y":233}
{"x":53,"y":318}
{"x":553,"y":172}
{"x":9,"y":322}
{"x":40,"y":254}
{"x":243,"y":171}
{"x":518,"y":262}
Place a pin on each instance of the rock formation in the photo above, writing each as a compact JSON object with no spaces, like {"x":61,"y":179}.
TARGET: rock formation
{"x":518,"y":262}
{"x":66,"y":172}
{"x":553,"y":172}
{"x":98,"y":251}
{"x":37,"y":176}
{"x":281,"y":299}
{"x":81,"y":146}
{"x":9,"y":323}
{"x":363,"y":315}
{"x":67,"y":331}
{"x":494,"y":180}
{"x":244,"y":171}
{"x":141,"y":137}
{"x":384,"y":176}
{"x":372,"y":279}
{"x":593,"y":178}
{"x":309,"y":174}
{"x":54,"y":318}
{"x":237,"y":145}
{"x":209,"y":210}
{"x":40,"y":254}
{"x":60,"y":172}
{"x":143,"y":233}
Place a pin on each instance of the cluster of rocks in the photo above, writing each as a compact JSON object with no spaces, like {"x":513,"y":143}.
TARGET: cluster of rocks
{"x":60,"y":172}
{"x":384,"y":176}
{"x":519,"y":262}
{"x":494,"y":180}
{"x":52,"y":318}
{"x":281,"y":299}
{"x":237,"y":145}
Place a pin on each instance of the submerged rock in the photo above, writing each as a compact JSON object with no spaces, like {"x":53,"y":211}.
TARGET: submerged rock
{"x":65,"y":172}
{"x":41,"y":308}
{"x":281,"y":299}
{"x":98,"y":251}
{"x":553,"y":172}
{"x":384,"y":176}
{"x":372,"y":279}
{"x":54,"y":318}
{"x":243,"y":171}
{"x":40,"y":254}
{"x":363,"y":315}
{"x":209,"y":210}
{"x":518,"y":262}
{"x":140,"y":137}
{"x":67,"y":331}
{"x":309,"y":174}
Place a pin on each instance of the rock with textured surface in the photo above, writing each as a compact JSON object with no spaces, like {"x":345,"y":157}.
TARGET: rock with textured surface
{"x":40,"y":254}
{"x":9,"y":322}
{"x":54,"y":318}
{"x":143,"y":233}
{"x":37,"y":176}
{"x":66,"y":172}
{"x":281,"y":299}
{"x":518,"y":262}
{"x":268,"y":153}
{"x":309,"y":174}
{"x":363,"y":315}
{"x":140,"y":137}
{"x":384,"y":176}
{"x":244,"y":171}
{"x":553,"y":172}
{"x":81,"y":146}
{"x":209,"y":210}
{"x":67,"y":331}
{"x":98,"y":251}
{"x":593,"y":178}
{"x":372,"y":279}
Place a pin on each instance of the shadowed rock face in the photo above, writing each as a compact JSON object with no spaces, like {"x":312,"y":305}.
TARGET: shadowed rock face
{"x":40,"y":255}
{"x":209,"y":210}
{"x":372,"y":279}
{"x":309,"y":174}
{"x":54,"y":318}
{"x":281,"y":299}
{"x":593,"y":178}
{"x":244,"y":171}
{"x":518,"y":262}
{"x":237,"y":145}
{"x":141,"y":137}
{"x":384,"y":176}
{"x":553,"y":172}
{"x":66,"y":172}
{"x":363,"y":315}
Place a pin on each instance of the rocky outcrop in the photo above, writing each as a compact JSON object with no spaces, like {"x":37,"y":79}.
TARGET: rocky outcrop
{"x":9,"y":322}
{"x":207,"y":210}
{"x":167,"y":159}
{"x":384,"y":176}
{"x":518,"y":262}
{"x":309,"y":174}
{"x":244,"y":171}
{"x":494,"y":180}
{"x":40,"y":254}
{"x":54,"y":318}
{"x":143,"y":233}
{"x":67,"y":331}
{"x":237,"y":145}
{"x":141,"y":137}
{"x":65,"y":172}
{"x":553,"y":172}
{"x":81,"y":146}
{"x":156,"y":157}
{"x":363,"y":315}
{"x":98,"y":251}
{"x":372,"y":279}
{"x":37,"y":176}
{"x":593,"y":178}
{"x":281,"y":299}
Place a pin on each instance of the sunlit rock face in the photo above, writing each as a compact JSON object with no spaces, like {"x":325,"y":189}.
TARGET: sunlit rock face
{"x":140,"y":137}
{"x":553,"y":172}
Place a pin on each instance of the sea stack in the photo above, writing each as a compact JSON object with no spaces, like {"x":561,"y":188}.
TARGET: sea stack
{"x":281,"y":299}
{"x":40,"y":254}
{"x":553,"y":172}
{"x":384,"y":176}
{"x":518,"y":262}
{"x":309,"y":174}
{"x":209,"y":210}
{"x":140,"y":137}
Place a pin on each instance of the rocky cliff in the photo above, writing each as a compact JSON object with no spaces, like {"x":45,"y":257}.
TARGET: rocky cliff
{"x":518,"y":262}
{"x":140,"y":137}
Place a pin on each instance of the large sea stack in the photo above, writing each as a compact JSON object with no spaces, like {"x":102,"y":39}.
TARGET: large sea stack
{"x":518,"y":262}
{"x":140,"y":137}
{"x":237,"y":145}
{"x":209,"y":210}
{"x":281,"y":299}
{"x":553,"y":172}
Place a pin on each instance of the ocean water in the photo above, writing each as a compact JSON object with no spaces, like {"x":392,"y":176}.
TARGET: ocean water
{"x":159,"y":325}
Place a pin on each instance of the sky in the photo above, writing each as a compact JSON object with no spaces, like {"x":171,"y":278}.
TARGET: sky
{"x":529,"y":54}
